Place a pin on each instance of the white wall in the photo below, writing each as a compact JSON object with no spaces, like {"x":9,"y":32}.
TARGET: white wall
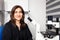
{"x":38,"y":13}
{"x":6,"y":17}
{"x":10,"y":3}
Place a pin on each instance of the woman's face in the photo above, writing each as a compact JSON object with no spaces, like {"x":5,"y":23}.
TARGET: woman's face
{"x":18,"y":14}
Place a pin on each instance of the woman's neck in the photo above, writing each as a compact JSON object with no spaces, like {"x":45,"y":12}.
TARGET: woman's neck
{"x":18,"y":24}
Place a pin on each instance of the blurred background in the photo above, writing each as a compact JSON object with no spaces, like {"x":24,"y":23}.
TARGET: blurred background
{"x":45,"y":16}
{"x":35,"y":9}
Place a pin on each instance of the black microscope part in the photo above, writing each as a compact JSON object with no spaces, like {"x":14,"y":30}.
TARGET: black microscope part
{"x":29,"y":19}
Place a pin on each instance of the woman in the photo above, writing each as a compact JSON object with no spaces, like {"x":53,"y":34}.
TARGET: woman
{"x":16,"y":28}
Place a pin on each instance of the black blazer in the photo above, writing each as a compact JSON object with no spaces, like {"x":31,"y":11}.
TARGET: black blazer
{"x":11,"y":32}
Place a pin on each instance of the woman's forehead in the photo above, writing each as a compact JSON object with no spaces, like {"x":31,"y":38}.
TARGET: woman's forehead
{"x":18,"y":9}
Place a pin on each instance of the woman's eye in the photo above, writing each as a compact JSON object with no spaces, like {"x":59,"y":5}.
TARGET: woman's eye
{"x":20,"y":11}
{"x":15,"y":11}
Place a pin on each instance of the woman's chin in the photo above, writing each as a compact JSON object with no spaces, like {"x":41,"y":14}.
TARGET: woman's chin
{"x":18,"y":19}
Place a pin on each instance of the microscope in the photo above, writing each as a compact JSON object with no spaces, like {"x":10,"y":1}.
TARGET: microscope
{"x":52,"y":29}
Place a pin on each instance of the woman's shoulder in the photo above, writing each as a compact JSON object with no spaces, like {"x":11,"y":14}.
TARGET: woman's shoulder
{"x":24,"y":26}
{"x":7,"y":24}
{"x":7,"y":27}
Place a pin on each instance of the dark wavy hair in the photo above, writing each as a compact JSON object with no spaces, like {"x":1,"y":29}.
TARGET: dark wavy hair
{"x":12,"y":15}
